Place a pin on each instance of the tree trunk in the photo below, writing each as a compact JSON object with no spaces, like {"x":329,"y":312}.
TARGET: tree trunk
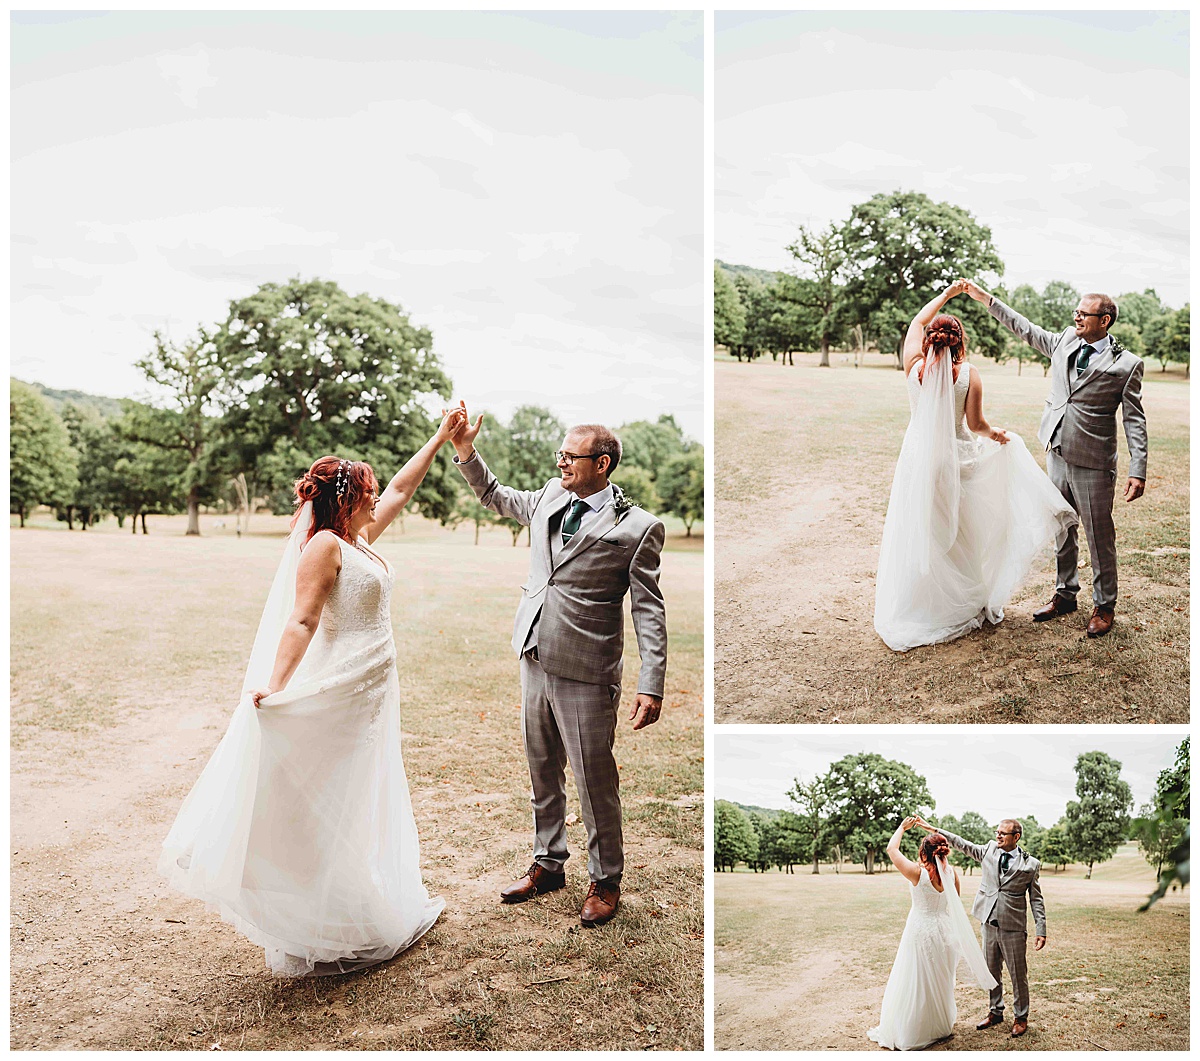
{"x":70,"y":517}
{"x":870,"y":862}
{"x":144,"y":531}
{"x":816,"y":864}
{"x":1020,"y":364}
{"x":193,"y":505}
{"x":824,"y":354}
{"x":689,"y":529}
{"x":21,"y":514}
{"x":1088,"y":875}
{"x":477,"y":532}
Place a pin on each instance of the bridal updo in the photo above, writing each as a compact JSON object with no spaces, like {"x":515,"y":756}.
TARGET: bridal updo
{"x":933,"y":847}
{"x":946,"y":331}
{"x":336,"y":488}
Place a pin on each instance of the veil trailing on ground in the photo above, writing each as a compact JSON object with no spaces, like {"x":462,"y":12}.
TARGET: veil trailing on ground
{"x":964,"y":935}
{"x":300,"y":831}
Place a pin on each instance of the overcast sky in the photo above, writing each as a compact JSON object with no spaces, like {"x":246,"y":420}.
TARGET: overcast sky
{"x":528,"y":186}
{"x":1007,"y":771}
{"x":1065,"y":133}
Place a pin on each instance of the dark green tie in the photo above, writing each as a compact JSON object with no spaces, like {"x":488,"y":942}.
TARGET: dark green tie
{"x":1004,"y":858}
{"x":571,"y":523}
{"x":1085,"y":353}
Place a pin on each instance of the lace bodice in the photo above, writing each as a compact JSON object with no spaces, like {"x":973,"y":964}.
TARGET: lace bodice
{"x":356,"y":622}
{"x":961,"y":385}
{"x":929,"y":919}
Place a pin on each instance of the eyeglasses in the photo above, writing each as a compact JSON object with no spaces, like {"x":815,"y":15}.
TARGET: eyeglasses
{"x":1079,"y":313}
{"x":1001,"y":832}
{"x":563,"y":457}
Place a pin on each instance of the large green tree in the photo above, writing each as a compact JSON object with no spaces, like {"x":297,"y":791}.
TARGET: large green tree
{"x":869,"y":797}
{"x":1162,"y":823}
{"x":820,"y":257}
{"x":903,"y":248}
{"x":729,"y":316}
{"x":681,"y":486}
{"x":813,"y":801}
{"x":192,"y":378}
{"x":649,"y":444}
{"x":734,"y":839}
{"x":42,"y":466}
{"x":1099,"y":820}
{"x":314,"y":370}
{"x":1056,"y":846}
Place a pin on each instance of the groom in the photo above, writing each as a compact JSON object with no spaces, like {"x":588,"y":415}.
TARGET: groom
{"x":1010,"y":879}
{"x":1089,"y":380}
{"x":588,"y":547}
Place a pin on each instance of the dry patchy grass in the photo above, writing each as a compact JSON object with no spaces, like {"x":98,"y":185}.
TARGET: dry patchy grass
{"x":805,"y":458}
{"x":127,"y":658}
{"x":802,"y":960}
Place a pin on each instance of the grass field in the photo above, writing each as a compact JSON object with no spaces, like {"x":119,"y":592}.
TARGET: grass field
{"x":127,"y":657}
{"x":805,"y":458}
{"x":802,"y":960}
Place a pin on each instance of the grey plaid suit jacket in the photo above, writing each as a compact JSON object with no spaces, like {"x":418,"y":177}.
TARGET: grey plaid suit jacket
{"x":1086,"y":407}
{"x":1002,"y":897}
{"x":577,"y":601}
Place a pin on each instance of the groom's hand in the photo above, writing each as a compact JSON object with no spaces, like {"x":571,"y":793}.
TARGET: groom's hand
{"x":1039,"y":942}
{"x":464,"y":439}
{"x":975,"y":291}
{"x":1134,"y":489}
{"x":922,"y":823}
{"x":646,"y":709}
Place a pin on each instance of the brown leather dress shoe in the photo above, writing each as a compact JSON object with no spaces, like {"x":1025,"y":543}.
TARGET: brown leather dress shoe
{"x":600,"y":906}
{"x":1020,"y":1027}
{"x":1058,"y":606}
{"x":1101,"y":622}
{"x":537,"y":881}
{"x":988,"y":1021}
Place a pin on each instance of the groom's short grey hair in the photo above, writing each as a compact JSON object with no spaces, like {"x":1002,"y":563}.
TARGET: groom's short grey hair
{"x":1107,"y":305}
{"x":602,"y":441}
{"x":1014,"y":823}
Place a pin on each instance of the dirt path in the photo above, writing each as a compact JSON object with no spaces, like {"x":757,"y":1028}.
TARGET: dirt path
{"x":797,"y":543}
{"x":103,"y":956}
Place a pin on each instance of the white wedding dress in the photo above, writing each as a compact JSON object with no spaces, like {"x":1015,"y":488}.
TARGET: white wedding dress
{"x":918,"y":1002}
{"x":299,"y":832}
{"x":966,"y":519}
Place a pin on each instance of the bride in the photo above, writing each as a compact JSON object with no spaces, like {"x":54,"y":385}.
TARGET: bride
{"x":918,"y":1002}
{"x":300,"y":832}
{"x":970,"y":509}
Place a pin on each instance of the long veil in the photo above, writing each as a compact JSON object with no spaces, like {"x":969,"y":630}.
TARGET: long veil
{"x":280,"y":602}
{"x":964,"y":935}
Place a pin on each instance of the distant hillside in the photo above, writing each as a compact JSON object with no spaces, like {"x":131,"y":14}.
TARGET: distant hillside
{"x":109,"y":408}
{"x":767,"y":276}
{"x":766,"y":812}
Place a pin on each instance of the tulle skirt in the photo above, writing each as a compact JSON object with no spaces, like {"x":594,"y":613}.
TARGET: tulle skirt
{"x":1008,"y":513}
{"x":300,"y":831}
{"x":918,"y":1002}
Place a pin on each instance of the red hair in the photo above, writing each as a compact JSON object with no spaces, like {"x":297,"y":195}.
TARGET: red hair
{"x":933,"y":847}
{"x":944,"y":331}
{"x":320,"y":485}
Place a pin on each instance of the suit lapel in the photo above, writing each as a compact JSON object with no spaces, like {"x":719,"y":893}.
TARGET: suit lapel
{"x":552,"y":510}
{"x":1073,"y":348}
{"x":601,"y":523}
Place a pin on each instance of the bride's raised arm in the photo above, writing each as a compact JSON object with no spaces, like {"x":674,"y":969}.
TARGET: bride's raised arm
{"x":909,"y":869}
{"x":916,"y":330}
{"x":404,"y":483}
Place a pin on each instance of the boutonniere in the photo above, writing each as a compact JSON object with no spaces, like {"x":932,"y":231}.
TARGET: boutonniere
{"x":1117,"y":346}
{"x":621,"y":503}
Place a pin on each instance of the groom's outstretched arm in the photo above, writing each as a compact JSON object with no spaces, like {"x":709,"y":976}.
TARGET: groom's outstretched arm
{"x":491,"y":493}
{"x":1025,"y":330}
{"x":965,"y":846}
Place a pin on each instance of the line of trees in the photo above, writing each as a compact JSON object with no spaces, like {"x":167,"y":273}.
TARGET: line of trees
{"x":295,"y":371}
{"x":858,"y":284}
{"x":849,"y":813}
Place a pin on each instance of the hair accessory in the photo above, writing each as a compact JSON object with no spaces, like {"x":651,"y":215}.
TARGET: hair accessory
{"x":342,"y":478}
